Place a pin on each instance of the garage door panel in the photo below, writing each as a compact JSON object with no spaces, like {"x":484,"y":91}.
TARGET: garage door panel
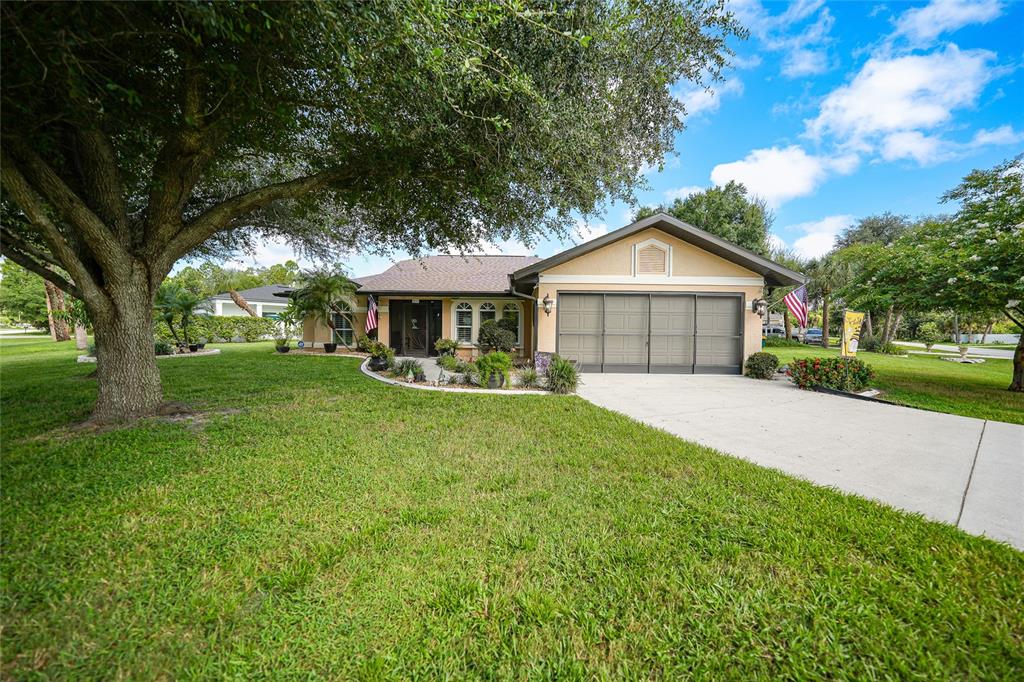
{"x":580,"y":321}
{"x":585,"y":350}
{"x":672,"y":353}
{"x":625,"y":352}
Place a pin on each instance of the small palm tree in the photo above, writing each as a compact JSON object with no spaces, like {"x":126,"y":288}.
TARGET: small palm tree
{"x":326,"y":293}
{"x":174,"y":302}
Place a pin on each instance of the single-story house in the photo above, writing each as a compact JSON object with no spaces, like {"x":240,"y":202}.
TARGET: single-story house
{"x":266,"y":301}
{"x":658,"y":295}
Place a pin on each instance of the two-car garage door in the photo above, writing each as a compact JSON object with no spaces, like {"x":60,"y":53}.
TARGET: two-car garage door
{"x":663,"y":333}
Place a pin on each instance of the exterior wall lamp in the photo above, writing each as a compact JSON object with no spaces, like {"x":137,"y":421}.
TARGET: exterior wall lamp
{"x":547,"y":303}
{"x":760,"y":306}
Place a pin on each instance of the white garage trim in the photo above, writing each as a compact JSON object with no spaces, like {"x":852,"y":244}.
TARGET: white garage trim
{"x":647,"y":280}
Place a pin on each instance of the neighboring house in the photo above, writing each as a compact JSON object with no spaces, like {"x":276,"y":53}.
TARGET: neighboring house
{"x":266,"y":301}
{"x":655,"y":296}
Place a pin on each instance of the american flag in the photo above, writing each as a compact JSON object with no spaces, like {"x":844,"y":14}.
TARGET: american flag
{"x":371,"y":314}
{"x":796,"y":301}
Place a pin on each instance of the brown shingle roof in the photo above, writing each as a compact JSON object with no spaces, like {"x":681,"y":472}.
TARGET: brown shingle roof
{"x":470,"y":274}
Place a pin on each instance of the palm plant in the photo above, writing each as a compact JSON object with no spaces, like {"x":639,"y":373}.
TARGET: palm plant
{"x":174,"y":302}
{"x":828,"y":275}
{"x":326,"y":293}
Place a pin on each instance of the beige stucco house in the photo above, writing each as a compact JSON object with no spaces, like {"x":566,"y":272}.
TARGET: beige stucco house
{"x":658,"y":295}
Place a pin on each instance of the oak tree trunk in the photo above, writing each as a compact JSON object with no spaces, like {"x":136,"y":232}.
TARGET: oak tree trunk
{"x":129,"y":382}
{"x":54,"y":303}
{"x":887,"y":330}
{"x":787,"y":323}
{"x":867,"y":324}
{"x":824,"y":321}
{"x":1017,"y":384}
{"x":81,"y":338}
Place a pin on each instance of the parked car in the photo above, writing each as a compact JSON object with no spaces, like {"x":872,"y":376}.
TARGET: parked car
{"x":813,"y":336}
{"x":780,"y":332}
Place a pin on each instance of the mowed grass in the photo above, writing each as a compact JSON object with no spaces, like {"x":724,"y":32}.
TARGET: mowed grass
{"x":931,"y":383}
{"x":337,"y":527}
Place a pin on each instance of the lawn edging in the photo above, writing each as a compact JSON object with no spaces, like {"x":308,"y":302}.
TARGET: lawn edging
{"x":197,"y":354}
{"x":363,"y":367}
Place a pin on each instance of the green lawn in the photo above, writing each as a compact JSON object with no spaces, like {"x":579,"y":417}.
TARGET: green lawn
{"x":927,"y":381}
{"x":319,"y":524}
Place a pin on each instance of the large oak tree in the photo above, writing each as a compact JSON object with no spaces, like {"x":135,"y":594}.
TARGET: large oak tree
{"x":136,"y":134}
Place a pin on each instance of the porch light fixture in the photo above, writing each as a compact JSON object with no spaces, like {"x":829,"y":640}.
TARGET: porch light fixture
{"x":547,"y":303}
{"x":760,"y":306}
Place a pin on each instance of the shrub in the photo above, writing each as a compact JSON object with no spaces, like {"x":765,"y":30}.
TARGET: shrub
{"x":494,"y":363}
{"x":562,"y":375}
{"x":527,"y":377}
{"x":448,"y":363}
{"x":381,"y":352}
{"x":493,"y":337}
{"x":841,"y":374}
{"x":762,"y":365}
{"x":407,"y":367}
{"x":446,"y":346}
{"x":889,"y":348}
{"x":91,"y":350}
{"x":162,"y":348}
{"x":254,"y":328}
{"x":929,"y":334}
{"x":364,"y":343}
{"x":869,"y":344}
{"x":470,"y":373}
{"x":779,"y":342}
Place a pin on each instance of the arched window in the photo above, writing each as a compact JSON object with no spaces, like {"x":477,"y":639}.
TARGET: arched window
{"x":511,"y":312}
{"x":464,"y":323}
{"x":487,"y":312}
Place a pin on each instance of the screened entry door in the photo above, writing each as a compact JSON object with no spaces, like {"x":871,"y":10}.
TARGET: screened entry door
{"x":659,"y":333}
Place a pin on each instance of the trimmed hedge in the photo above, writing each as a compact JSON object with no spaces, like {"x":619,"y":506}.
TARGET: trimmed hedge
{"x":840,"y":374}
{"x":214,"y":328}
{"x":762,"y":365}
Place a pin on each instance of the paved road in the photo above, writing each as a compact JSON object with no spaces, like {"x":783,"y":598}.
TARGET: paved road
{"x":975,"y":351}
{"x":958,"y":470}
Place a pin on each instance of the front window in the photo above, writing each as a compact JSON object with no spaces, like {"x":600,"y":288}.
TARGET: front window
{"x":464,"y":323}
{"x":487,"y":312}
{"x":342,"y":329}
{"x":511,"y":312}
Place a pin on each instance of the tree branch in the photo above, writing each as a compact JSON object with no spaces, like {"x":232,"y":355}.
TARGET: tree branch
{"x":1019,"y":323}
{"x":101,"y":176}
{"x":27,"y":248}
{"x":28,"y":201}
{"x":35,"y":266}
{"x":220,"y":216}
{"x":104,"y":246}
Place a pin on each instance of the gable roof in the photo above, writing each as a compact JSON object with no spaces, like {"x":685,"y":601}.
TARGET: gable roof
{"x":262,"y":294}
{"x":774,"y":274}
{"x":453,"y":275}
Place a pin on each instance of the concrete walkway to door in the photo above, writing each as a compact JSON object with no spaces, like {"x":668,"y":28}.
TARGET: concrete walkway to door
{"x":963,"y":471}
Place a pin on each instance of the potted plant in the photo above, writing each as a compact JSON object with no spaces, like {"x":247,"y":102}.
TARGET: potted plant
{"x":281,"y":344}
{"x":446,"y":346}
{"x":494,"y":368}
{"x":330,"y":347}
{"x":193,"y":348}
{"x":963,"y":350}
{"x":380,"y":356}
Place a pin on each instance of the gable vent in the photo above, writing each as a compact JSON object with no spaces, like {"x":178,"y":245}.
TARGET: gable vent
{"x":650,"y":260}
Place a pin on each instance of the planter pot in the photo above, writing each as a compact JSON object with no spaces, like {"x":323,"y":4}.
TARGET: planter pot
{"x":496,"y":380}
{"x":377,"y":364}
{"x":201,"y":345}
{"x":282,"y":349}
{"x":330,"y":347}
{"x":420,"y":377}
{"x":193,"y":347}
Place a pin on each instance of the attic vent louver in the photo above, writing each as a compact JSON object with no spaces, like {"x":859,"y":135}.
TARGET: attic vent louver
{"x":651,"y":260}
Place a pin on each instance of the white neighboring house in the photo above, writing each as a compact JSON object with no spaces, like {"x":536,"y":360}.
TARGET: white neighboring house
{"x":261,"y":299}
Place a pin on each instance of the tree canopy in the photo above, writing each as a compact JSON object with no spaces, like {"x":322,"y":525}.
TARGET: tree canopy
{"x":209,"y":278}
{"x":22,"y":295}
{"x":726,"y":211}
{"x":135,"y":134}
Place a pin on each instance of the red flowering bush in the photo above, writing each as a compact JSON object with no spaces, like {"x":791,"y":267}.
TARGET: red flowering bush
{"x":841,"y":374}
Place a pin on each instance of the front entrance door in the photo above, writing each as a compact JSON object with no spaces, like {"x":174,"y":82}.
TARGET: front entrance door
{"x":414,"y":330}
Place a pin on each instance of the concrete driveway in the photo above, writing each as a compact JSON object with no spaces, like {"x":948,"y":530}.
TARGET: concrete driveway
{"x":963,"y":471}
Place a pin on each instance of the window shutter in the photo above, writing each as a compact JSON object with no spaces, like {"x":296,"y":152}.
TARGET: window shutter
{"x":651,"y":261}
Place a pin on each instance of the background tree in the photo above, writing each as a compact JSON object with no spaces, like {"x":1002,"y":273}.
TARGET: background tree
{"x":828,"y":275}
{"x":22,"y":295}
{"x":726,"y":211}
{"x":136,"y":134}
{"x":790,"y":259}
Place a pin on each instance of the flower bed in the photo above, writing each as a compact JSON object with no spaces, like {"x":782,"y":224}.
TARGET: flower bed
{"x":839,"y":374}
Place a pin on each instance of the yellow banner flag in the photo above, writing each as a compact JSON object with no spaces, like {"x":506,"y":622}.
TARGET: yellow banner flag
{"x":851,"y":332}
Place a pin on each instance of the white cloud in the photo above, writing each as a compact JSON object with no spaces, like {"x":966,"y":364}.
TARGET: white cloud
{"x":268,"y":252}
{"x":776,"y":242}
{"x":922,"y":25}
{"x":742,"y":62}
{"x":891,"y":95}
{"x":778,"y":174}
{"x":997,"y":136}
{"x":819,"y":235}
{"x":912,"y":144}
{"x":805,"y":44}
{"x":586,"y":231}
{"x":804,"y":62}
{"x":505,"y":247}
{"x":698,"y":100}
{"x":682,"y":192}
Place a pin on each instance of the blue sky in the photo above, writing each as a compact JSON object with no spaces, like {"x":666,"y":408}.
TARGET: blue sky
{"x":835,"y":111}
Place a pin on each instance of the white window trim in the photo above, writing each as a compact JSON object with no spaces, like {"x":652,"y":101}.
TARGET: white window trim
{"x":474,"y":305}
{"x":667,"y":248}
